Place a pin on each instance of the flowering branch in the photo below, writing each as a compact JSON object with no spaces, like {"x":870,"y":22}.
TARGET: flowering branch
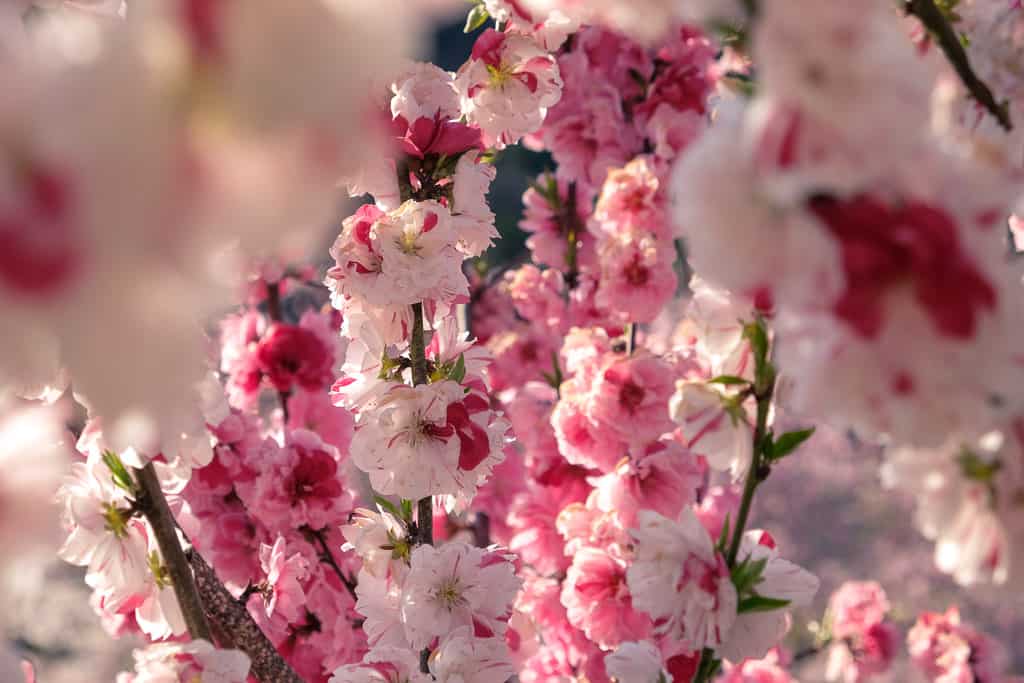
{"x":201,"y":595}
{"x":761,"y":454}
{"x":933,"y":19}
{"x":151,"y":502}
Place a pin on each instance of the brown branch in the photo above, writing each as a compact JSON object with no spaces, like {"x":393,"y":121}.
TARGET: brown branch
{"x":234,"y":620}
{"x":935,"y":21}
{"x":151,"y":502}
{"x":274,"y":301}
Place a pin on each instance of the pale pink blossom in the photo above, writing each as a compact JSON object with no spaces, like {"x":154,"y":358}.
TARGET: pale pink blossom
{"x":462,"y":657}
{"x":639,"y":662}
{"x":456,"y":586}
{"x":196,"y":660}
{"x":375,"y":537}
{"x":712,"y":427}
{"x":157,"y":611}
{"x":383,"y":665}
{"x":424,"y":90}
{"x":102,"y":534}
{"x":507,"y":86}
{"x":427,"y":440}
{"x":754,"y":633}
{"x":700,"y":605}
{"x":471,"y":216}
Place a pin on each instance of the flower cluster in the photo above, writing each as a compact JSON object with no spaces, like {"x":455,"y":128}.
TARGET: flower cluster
{"x":946,"y":649}
{"x":610,"y":504}
{"x":864,"y":641}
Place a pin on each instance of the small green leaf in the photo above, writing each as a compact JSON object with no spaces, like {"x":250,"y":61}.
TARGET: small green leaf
{"x":755,"y":333}
{"x":727,"y":379}
{"x":789,"y":442}
{"x":477,"y":17}
{"x":747,"y":574}
{"x":386,"y":504}
{"x":118,"y":471}
{"x":406,"y":510}
{"x":458,"y":371}
{"x":759,"y":603}
{"x":723,"y":537}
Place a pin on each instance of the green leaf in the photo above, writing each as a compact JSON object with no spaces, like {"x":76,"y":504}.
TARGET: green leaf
{"x":723,"y":537}
{"x":789,"y":442}
{"x":386,"y":504}
{"x":477,"y":17}
{"x":976,"y":469}
{"x":727,"y":379}
{"x":759,"y":603}
{"x":118,"y":471}
{"x":458,"y":371}
{"x":407,"y":510}
{"x":488,"y":156}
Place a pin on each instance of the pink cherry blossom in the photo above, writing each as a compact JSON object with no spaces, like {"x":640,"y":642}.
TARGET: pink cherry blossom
{"x":464,"y":658}
{"x":598,"y":601}
{"x":945,"y":649}
{"x":284,"y":575}
{"x":637,"y":277}
{"x":172,"y":662}
{"x":507,"y":86}
{"x":456,"y":586}
{"x":702,"y":605}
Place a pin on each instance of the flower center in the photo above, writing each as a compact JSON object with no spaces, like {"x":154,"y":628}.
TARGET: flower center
{"x":116,"y":520}
{"x":449,"y":594}
{"x":499,"y":75}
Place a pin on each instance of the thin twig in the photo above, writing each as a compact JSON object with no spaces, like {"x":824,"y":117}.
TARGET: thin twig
{"x":153,"y":505}
{"x":327,"y":557}
{"x":935,"y":21}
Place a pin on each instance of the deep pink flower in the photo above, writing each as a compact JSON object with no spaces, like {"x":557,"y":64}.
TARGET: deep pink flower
{"x":918,"y":244}
{"x":435,"y":136}
{"x":39,"y":250}
{"x":291,"y":355}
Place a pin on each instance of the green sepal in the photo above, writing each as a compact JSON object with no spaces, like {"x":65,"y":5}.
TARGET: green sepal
{"x":760,"y":603}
